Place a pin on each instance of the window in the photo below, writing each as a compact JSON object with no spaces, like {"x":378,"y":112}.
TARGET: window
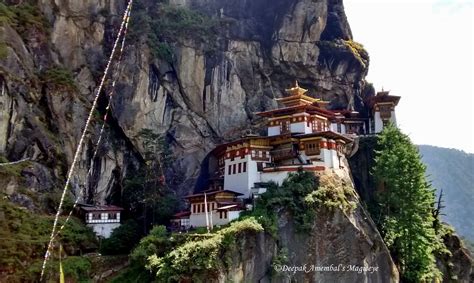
{"x":213,"y":206}
{"x":230,"y":170}
{"x":112,"y":215}
{"x":202,"y":207}
{"x":244,"y":169}
{"x":385,"y":111}
{"x":259,"y":166}
{"x":314,"y":125}
{"x":312,"y":148}
{"x":96,"y":216}
{"x":194,"y":208}
{"x":240,"y":168}
{"x":233,"y":168}
{"x":339,"y":130}
{"x":223,"y":214}
{"x":285,"y":126}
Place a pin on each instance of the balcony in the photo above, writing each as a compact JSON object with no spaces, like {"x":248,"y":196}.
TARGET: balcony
{"x":283,"y":154}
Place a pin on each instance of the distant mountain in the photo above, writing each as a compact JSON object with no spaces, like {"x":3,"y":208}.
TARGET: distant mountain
{"x":452,"y":171}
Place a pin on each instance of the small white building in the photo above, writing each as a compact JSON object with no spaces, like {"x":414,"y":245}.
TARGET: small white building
{"x":383,"y":110}
{"x":222,"y":207}
{"x":103,"y":219}
{"x":180,"y":221}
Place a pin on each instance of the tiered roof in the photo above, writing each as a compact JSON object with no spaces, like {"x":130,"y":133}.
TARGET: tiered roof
{"x":384,"y":97}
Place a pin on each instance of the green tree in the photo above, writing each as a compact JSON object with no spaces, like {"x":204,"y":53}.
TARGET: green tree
{"x":406,"y":202}
{"x":146,"y":190}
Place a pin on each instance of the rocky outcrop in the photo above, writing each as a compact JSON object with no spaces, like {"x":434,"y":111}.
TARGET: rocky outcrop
{"x":196,"y":100}
{"x":457,"y":265}
{"x":337,"y":248}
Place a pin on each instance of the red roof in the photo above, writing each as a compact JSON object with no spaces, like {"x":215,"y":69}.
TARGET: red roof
{"x":328,"y":134}
{"x":383,"y":97}
{"x":182,"y":214}
{"x":311,"y":109}
{"x":213,"y":192}
{"x":88,"y":208}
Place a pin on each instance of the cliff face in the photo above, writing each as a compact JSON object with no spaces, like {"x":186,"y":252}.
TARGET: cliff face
{"x":204,"y":92}
{"x":338,"y":244}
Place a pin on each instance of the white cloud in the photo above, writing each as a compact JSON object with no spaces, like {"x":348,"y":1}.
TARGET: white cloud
{"x":422,"y":50}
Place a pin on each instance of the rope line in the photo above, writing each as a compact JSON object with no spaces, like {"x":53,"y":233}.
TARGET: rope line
{"x":81,"y":141}
{"x":14,"y":162}
{"x":102,"y":130}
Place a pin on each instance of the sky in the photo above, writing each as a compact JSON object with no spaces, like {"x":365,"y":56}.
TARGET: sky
{"x":422,"y":50}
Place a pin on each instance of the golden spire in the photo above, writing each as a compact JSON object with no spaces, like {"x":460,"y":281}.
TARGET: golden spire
{"x":296,"y":90}
{"x":296,"y":97}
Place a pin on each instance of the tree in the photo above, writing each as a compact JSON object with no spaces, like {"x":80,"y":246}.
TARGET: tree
{"x":406,"y":202}
{"x":146,"y":190}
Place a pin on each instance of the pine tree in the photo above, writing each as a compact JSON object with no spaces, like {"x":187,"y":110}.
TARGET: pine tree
{"x":406,"y":202}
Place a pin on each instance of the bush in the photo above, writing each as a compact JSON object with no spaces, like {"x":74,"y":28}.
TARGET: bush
{"x":25,"y":236}
{"x":162,"y":23}
{"x":59,"y":78}
{"x":201,"y":258}
{"x":333,"y":193}
{"x":290,"y":196}
{"x":122,"y":240}
{"x":23,"y":17}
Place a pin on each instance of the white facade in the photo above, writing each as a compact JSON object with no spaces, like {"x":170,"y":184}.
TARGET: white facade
{"x":218,"y":218}
{"x":379,"y":122}
{"x":103,"y":222}
{"x":300,"y":127}
{"x":238,"y":180}
{"x":103,"y":229}
{"x":273,"y":131}
{"x":277,"y":176}
{"x":338,"y":129}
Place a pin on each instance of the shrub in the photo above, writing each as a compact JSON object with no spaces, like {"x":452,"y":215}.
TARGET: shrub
{"x":201,"y":258}
{"x":332,"y":193}
{"x":59,"y":78}
{"x":290,"y":196}
{"x":22,"y":17}
{"x":25,"y":235}
{"x":122,"y":240}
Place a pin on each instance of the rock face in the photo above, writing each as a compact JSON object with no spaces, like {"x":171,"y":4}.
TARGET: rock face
{"x":344,"y":241}
{"x":196,"y":100}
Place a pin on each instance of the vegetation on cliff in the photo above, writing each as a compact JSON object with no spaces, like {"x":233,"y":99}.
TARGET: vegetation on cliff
{"x":405,"y":206}
{"x":24,"y":236}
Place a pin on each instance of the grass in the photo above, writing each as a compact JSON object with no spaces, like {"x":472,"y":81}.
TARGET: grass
{"x":13,"y":170}
{"x":163,"y":23}
{"x":60,"y":78}
{"x":25,"y":234}
{"x":347,"y":47}
{"x":3,"y":50}
{"x":23,"y":17}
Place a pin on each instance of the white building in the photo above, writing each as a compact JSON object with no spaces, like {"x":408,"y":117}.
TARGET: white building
{"x":222,"y":207}
{"x":302,"y":135}
{"x":103,"y":219}
{"x":383,"y":110}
